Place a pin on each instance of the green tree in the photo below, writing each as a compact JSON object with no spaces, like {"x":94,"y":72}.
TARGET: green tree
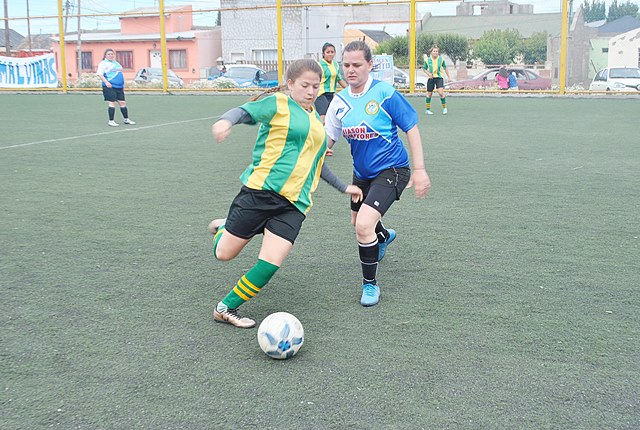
{"x":456,"y":46}
{"x":424,"y":43}
{"x":396,"y":46}
{"x":534,"y":49}
{"x":498,"y":46}
{"x":619,"y":10}
{"x":218,"y":19}
{"x":594,"y":11}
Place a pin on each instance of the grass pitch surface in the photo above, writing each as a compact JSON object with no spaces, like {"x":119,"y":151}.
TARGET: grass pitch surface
{"x":509,"y":300}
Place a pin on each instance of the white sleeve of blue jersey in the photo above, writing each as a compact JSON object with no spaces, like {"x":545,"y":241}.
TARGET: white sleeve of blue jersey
{"x":101,"y":68}
{"x":332,"y":125}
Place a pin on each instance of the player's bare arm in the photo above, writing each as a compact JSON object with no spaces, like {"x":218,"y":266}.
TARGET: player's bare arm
{"x":419,"y":177}
{"x":221,"y":130}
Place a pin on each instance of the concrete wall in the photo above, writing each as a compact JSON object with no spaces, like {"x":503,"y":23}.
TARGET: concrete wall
{"x":305,"y":29}
{"x":492,"y":8}
{"x":624,"y":50}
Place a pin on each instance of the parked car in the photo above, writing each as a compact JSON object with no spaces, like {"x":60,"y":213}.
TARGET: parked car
{"x":248,"y":75}
{"x":617,"y":79}
{"x":527,"y":80}
{"x":214,"y":72}
{"x":154,"y":74}
{"x":401,"y":79}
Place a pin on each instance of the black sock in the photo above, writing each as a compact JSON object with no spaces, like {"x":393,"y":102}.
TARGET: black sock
{"x":369,"y":261}
{"x":381,"y":232}
{"x":125,"y":112}
{"x":112,"y":113}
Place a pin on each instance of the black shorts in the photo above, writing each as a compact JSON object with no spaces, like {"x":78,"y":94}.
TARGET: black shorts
{"x":113,"y":94}
{"x":435,"y":83}
{"x":253,"y":211}
{"x":381,"y":191}
{"x":322,"y":103}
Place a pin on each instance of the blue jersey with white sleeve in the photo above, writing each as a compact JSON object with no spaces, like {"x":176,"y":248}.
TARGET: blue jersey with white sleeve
{"x":369,"y":122}
{"x":112,"y":71}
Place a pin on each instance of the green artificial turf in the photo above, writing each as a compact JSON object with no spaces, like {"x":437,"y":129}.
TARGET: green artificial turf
{"x":510,"y":299}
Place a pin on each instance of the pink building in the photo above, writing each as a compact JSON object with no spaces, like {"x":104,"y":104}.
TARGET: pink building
{"x":190,"y":52}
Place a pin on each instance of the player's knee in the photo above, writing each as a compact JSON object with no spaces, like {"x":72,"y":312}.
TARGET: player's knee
{"x":222,"y":254}
{"x":364,"y":228}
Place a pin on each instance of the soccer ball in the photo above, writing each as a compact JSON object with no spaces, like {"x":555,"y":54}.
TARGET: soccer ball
{"x":280,"y":335}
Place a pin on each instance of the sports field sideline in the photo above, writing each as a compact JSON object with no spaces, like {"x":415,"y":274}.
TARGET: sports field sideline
{"x":510,"y":299}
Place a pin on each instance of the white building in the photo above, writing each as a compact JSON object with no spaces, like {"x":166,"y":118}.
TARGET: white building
{"x":624,"y":49}
{"x":251,"y":34}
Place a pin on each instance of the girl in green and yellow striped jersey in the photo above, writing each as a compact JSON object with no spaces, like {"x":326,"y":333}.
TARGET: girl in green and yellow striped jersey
{"x":287,"y":163}
{"x":331,"y":78}
{"x":436,"y":68}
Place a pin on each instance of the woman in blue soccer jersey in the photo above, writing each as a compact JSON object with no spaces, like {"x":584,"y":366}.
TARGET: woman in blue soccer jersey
{"x":110,"y":73}
{"x":368,"y":115}
{"x":288,"y":161}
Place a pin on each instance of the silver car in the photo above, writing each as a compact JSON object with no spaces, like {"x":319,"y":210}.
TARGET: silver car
{"x":154,"y":74}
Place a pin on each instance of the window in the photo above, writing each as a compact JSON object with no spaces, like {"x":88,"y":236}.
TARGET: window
{"x":87,"y":60}
{"x":177,"y":58}
{"x":265,"y":54}
{"x":125,"y":58}
{"x":605,"y":50}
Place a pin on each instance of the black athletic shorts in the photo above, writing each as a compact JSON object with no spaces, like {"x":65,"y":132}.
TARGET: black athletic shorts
{"x":253,"y":211}
{"x":113,"y":94}
{"x":322,"y":103}
{"x":435,"y":83}
{"x":381,"y":191}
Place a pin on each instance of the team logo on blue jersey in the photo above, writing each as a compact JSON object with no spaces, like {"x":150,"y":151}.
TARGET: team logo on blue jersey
{"x":372,"y":107}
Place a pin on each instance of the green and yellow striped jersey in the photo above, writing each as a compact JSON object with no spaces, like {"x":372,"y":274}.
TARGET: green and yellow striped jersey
{"x":330,"y":77}
{"x":436,"y":67}
{"x":289,"y":149}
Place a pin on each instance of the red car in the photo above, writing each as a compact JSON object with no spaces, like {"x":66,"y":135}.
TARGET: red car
{"x":527,"y":80}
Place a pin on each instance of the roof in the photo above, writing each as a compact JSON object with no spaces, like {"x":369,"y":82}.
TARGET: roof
{"x":620,"y":25}
{"x":14,"y":39}
{"x":119,"y":37}
{"x":474,"y":26}
{"x":376,"y":35}
{"x":152,"y":11}
{"x":392,"y":28}
{"x":38,"y":42}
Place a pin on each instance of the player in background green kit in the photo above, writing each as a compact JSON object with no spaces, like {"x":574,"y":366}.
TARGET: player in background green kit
{"x":434,"y":65}
{"x":288,"y":161}
{"x":331,"y":78}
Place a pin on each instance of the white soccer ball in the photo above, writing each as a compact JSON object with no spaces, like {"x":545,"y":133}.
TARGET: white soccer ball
{"x":280,"y":335}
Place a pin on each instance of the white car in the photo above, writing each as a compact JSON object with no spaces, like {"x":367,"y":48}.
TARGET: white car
{"x":617,"y":79}
{"x":401,"y":79}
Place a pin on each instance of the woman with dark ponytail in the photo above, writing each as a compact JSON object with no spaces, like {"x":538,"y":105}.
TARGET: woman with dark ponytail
{"x":331,"y":78}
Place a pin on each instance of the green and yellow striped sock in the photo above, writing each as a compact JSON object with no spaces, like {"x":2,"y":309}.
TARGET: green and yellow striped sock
{"x":216,"y":239}
{"x":443,"y":100}
{"x":250,"y":284}
{"x":428,"y":103}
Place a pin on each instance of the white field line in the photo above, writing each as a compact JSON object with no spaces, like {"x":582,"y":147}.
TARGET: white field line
{"x":124,"y":129}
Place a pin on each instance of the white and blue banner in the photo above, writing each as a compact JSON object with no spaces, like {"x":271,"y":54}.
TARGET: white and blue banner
{"x":31,"y":72}
{"x":383,"y":68}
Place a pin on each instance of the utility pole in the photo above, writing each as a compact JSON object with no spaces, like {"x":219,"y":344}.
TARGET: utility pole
{"x":29,"y":28}
{"x":79,"y":45}
{"x":67,"y":8}
{"x":7,"y":33}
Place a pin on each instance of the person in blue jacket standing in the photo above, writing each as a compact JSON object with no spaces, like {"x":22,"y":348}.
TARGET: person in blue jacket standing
{"x":110,"y":73}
